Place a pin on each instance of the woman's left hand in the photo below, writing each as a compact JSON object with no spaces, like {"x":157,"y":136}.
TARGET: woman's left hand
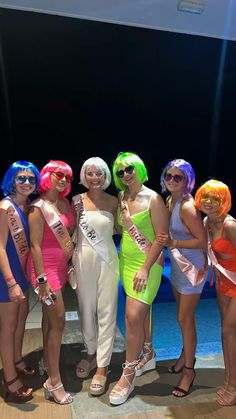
{"x":140,"y":280}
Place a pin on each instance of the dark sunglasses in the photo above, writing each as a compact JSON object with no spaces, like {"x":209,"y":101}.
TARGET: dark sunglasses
{"x":176,"y":178}
{"x":60,"y":176}
{"x":21,"y":179}
{"x":129,"y":170}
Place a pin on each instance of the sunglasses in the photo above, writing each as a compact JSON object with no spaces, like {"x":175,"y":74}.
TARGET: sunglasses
{"x":215,"y":200}
{"x":176,"y":178}
{"x":21,"y":179}
{"x":61,"y":175}
{"x":129,"y":170}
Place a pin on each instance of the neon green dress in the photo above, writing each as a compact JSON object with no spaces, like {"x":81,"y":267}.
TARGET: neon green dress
{"x":132,"y":259}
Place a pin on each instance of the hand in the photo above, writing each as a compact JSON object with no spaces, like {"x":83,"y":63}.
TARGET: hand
{"x":163,"y":239}
{"x":140,"y":280}
{"x":44,"y":292}
{"x":15,"y":294}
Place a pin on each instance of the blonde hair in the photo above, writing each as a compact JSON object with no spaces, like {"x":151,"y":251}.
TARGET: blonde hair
{"x":218,"y":188}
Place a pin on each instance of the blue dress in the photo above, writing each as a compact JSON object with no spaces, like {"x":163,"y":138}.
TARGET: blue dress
{"x":180,"y":232}
{"x":14,"y":262}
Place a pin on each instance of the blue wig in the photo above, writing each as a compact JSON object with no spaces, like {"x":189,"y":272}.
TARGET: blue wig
{"x":187,"y":170}
{"x":8,"y":183}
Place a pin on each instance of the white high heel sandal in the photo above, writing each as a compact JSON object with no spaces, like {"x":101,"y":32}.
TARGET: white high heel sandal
{"x":149,"y":364}
{"x":119,"y":394}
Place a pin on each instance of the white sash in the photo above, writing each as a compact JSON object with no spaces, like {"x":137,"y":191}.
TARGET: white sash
{"x":88,"y":230}
{"x":229,"y":274}
{"x":56,"y":225}
{"x":17,"y":231}
{"x":139,"y":239}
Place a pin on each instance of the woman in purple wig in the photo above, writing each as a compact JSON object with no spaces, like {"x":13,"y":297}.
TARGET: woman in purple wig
{"x":186,"y":243}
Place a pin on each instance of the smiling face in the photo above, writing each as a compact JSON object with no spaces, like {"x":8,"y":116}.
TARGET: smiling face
{"x":210,"y":203}
{"x":175,"y":180}
{"x":127,"y":174}
{"x":95,"y":177}
{"x":60,"y":180}
{"x":25,"y":182}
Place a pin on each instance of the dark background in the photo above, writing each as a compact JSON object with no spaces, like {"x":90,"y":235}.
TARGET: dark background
{"x":71,"y":89}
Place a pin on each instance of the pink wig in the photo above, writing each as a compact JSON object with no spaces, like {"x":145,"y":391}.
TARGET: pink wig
{"x":48,"y":169}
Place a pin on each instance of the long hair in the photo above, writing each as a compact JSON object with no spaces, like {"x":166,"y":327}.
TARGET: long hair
{"x":99,"y":164}
{"x":218,"y":188}
{"x":48,"y":169}
{"x":129,"y":159}
{"x":8,"y":182}
{"x":187,"y":170}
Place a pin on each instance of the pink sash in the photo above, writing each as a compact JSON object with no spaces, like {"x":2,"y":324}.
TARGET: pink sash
{"x":193,"y":274}
{"x":17,"y":231}
{"x":56,"y":225}
{"x":229,"y":274}
{"x":139,"y":239}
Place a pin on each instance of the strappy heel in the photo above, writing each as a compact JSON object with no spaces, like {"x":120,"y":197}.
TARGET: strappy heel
{"x":48,"y":394}
{"x":172,"y":369}
{"x":121,"y":394}
{"x":150,"y":364}
{"x":182,"y":390}
{"x":21,"y":395}
{"x":227,"y":399}
{"x":42,"y":367}
{"x":26,"y":371}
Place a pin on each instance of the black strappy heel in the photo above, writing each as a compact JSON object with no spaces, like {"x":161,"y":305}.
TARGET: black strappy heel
{"x":172,"y":369}
{"x":182,"y":390}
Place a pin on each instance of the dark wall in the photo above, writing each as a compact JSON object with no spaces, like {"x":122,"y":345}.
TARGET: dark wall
{"x":71,"y":89}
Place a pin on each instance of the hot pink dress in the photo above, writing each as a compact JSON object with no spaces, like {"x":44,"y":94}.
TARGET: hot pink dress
{"x":55,"y":263}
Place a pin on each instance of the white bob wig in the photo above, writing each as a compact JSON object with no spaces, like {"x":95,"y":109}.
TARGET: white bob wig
{"x":99,"y":164}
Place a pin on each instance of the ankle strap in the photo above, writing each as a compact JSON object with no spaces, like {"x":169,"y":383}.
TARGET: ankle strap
{"x":9,"y":383}
{"x":188,"y":368}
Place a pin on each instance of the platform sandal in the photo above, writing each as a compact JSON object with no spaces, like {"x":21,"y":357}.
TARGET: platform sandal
{"x":120,"y":394}
{"x":21,"y":395}
{"x":26,"y":371}
{"x":146,"y":364}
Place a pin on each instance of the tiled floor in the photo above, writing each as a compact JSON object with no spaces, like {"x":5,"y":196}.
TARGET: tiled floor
{"x":151,"y":399}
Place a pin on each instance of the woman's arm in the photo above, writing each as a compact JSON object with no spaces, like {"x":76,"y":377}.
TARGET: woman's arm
{"x":36,"y":224}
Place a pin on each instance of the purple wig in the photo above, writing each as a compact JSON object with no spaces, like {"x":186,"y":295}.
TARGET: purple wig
{"x":185,"y":168}
{"x":48,"y":169}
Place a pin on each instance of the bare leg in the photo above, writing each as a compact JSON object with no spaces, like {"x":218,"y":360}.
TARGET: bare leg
{"x":186,"y":319}
{"x":229,"y":336}
{"x":223,"y":302}
{"x":9,"y":314}
{"x":179,"y":364}
{"x":136,"y":313}
{"x":55,"y":315}
{"x":20,"y":330}
{"x":147,"y":350}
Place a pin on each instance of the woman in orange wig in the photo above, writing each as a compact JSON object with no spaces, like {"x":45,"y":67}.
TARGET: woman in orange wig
{"x":214,"y":199}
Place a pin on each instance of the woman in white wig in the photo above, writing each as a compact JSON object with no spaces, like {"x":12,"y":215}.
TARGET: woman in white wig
{"x":96,"y":261}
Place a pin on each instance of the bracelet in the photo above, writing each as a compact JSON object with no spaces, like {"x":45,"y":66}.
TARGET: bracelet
{"x":175,"y":243}
{"x":11,"y":286}
{"x":9,"y":278}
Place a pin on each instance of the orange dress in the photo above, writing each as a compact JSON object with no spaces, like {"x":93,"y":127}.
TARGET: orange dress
{"x":224,"y":246}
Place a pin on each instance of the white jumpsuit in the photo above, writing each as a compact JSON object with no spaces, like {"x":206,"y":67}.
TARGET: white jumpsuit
{"x":97,"y":289}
